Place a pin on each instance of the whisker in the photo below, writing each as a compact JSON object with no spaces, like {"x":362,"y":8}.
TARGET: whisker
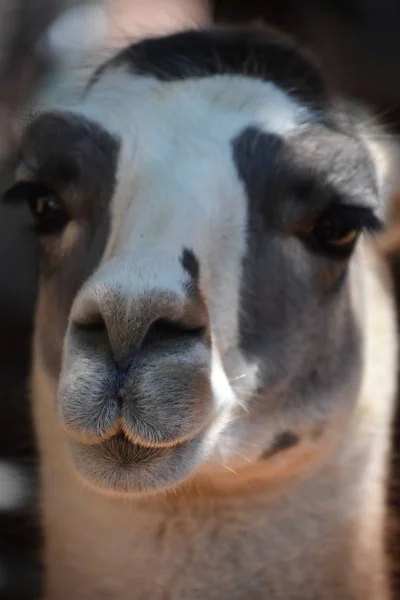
{"x":244,"y":456}
{"x":238,"y":377}
{"x":228,"y":468}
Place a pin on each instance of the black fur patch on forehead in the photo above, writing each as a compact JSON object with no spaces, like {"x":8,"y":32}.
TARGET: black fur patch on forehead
{"x":63,"y":149}
{"x":286,"y":178}
{"x":195,"y":54}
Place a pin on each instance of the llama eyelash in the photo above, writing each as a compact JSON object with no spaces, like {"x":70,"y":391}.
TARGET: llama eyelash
{"x":335,"y":231}
{"x":365,"y":219}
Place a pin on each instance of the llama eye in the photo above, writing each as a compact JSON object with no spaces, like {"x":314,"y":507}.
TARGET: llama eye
{"x":338,"y":228}
{"x":46,"y":209}
{"x":335,"y":228}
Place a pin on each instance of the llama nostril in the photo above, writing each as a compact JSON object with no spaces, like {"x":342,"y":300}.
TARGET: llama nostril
{"x":120,"y":326}
{"x":164,"y":328}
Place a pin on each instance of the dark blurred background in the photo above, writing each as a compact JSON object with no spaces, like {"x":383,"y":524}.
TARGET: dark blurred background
{"x":42,"y":42}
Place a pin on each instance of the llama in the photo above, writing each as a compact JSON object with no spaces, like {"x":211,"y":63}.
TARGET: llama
{"x":214,"y":358}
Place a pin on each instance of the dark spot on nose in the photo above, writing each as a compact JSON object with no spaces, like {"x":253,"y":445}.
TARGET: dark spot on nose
{"x":283,"y":441}
{"x":190,"y":264}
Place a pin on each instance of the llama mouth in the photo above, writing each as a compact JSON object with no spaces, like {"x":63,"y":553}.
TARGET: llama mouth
{"x":118,"y":465}
{"x":122,"y":451}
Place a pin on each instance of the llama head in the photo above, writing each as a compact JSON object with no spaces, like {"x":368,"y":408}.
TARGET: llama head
{"x":201,"y":213}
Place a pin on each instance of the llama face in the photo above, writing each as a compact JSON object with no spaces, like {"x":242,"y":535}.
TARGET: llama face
{"x":202,"y":258}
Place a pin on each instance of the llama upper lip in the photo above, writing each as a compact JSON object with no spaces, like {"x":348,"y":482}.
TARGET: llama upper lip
{"x":165,"y":399}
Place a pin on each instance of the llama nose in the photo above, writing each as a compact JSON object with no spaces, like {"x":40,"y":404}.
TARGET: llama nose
{"x":121,"y":323}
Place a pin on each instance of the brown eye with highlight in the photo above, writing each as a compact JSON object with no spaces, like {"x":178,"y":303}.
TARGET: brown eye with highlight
{"x":336,"y":231}
{"x":46,"y":209}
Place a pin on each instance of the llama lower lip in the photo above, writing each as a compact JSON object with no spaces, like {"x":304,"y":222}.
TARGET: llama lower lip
{"x":119,"y":465}
{"x":125,"y":453}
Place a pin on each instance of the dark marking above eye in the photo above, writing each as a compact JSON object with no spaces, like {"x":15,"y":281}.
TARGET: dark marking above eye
{"x":290,"y":179}
{"x":255,"y":155}
{"x":283,"y":441}
{"x":190,"y":264}
{"x":83,"y":160}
